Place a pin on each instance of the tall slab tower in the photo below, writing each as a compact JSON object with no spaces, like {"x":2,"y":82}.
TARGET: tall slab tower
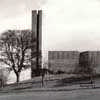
{"x":36,"y":52}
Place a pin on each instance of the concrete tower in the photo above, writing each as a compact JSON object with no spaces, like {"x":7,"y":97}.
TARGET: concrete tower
{"x":36,"y":50}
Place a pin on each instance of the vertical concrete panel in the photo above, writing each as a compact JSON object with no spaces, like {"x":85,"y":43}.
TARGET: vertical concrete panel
{"x":40,"y":36}
{"x":40,"y":28}
{"x":37,"y":33}
{"x":34,"y":23}
{"x":34,"y":35}
{"x":39,"y":39}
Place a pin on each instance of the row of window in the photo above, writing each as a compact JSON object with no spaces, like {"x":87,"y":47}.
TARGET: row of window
{"x":63,"y":55}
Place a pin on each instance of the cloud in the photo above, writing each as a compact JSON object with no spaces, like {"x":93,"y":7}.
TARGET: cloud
{"x":12,"y":8}
{"x":64,"y":21}
{"x":71,"y":24}
{"x":16,"y":14}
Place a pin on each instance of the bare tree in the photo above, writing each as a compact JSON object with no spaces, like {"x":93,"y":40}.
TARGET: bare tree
{"x":15,"y":49}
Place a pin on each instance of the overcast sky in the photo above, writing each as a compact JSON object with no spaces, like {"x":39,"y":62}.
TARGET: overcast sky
{"x":67,"y":24}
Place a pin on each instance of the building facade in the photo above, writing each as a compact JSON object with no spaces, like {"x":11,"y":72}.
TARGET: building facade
{"x":90,"y":59}
{"x":65,"y":61}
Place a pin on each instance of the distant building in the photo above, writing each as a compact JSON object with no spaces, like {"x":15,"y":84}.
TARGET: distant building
{"x":90,"y":59}
{"x":65,"y":61}
{"x":4,"y":73}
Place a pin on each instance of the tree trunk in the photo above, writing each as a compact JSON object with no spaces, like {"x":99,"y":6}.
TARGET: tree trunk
{"x":17,"y":77}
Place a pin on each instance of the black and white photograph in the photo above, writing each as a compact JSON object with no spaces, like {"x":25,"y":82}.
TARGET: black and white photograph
{"x":49,"y":49}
